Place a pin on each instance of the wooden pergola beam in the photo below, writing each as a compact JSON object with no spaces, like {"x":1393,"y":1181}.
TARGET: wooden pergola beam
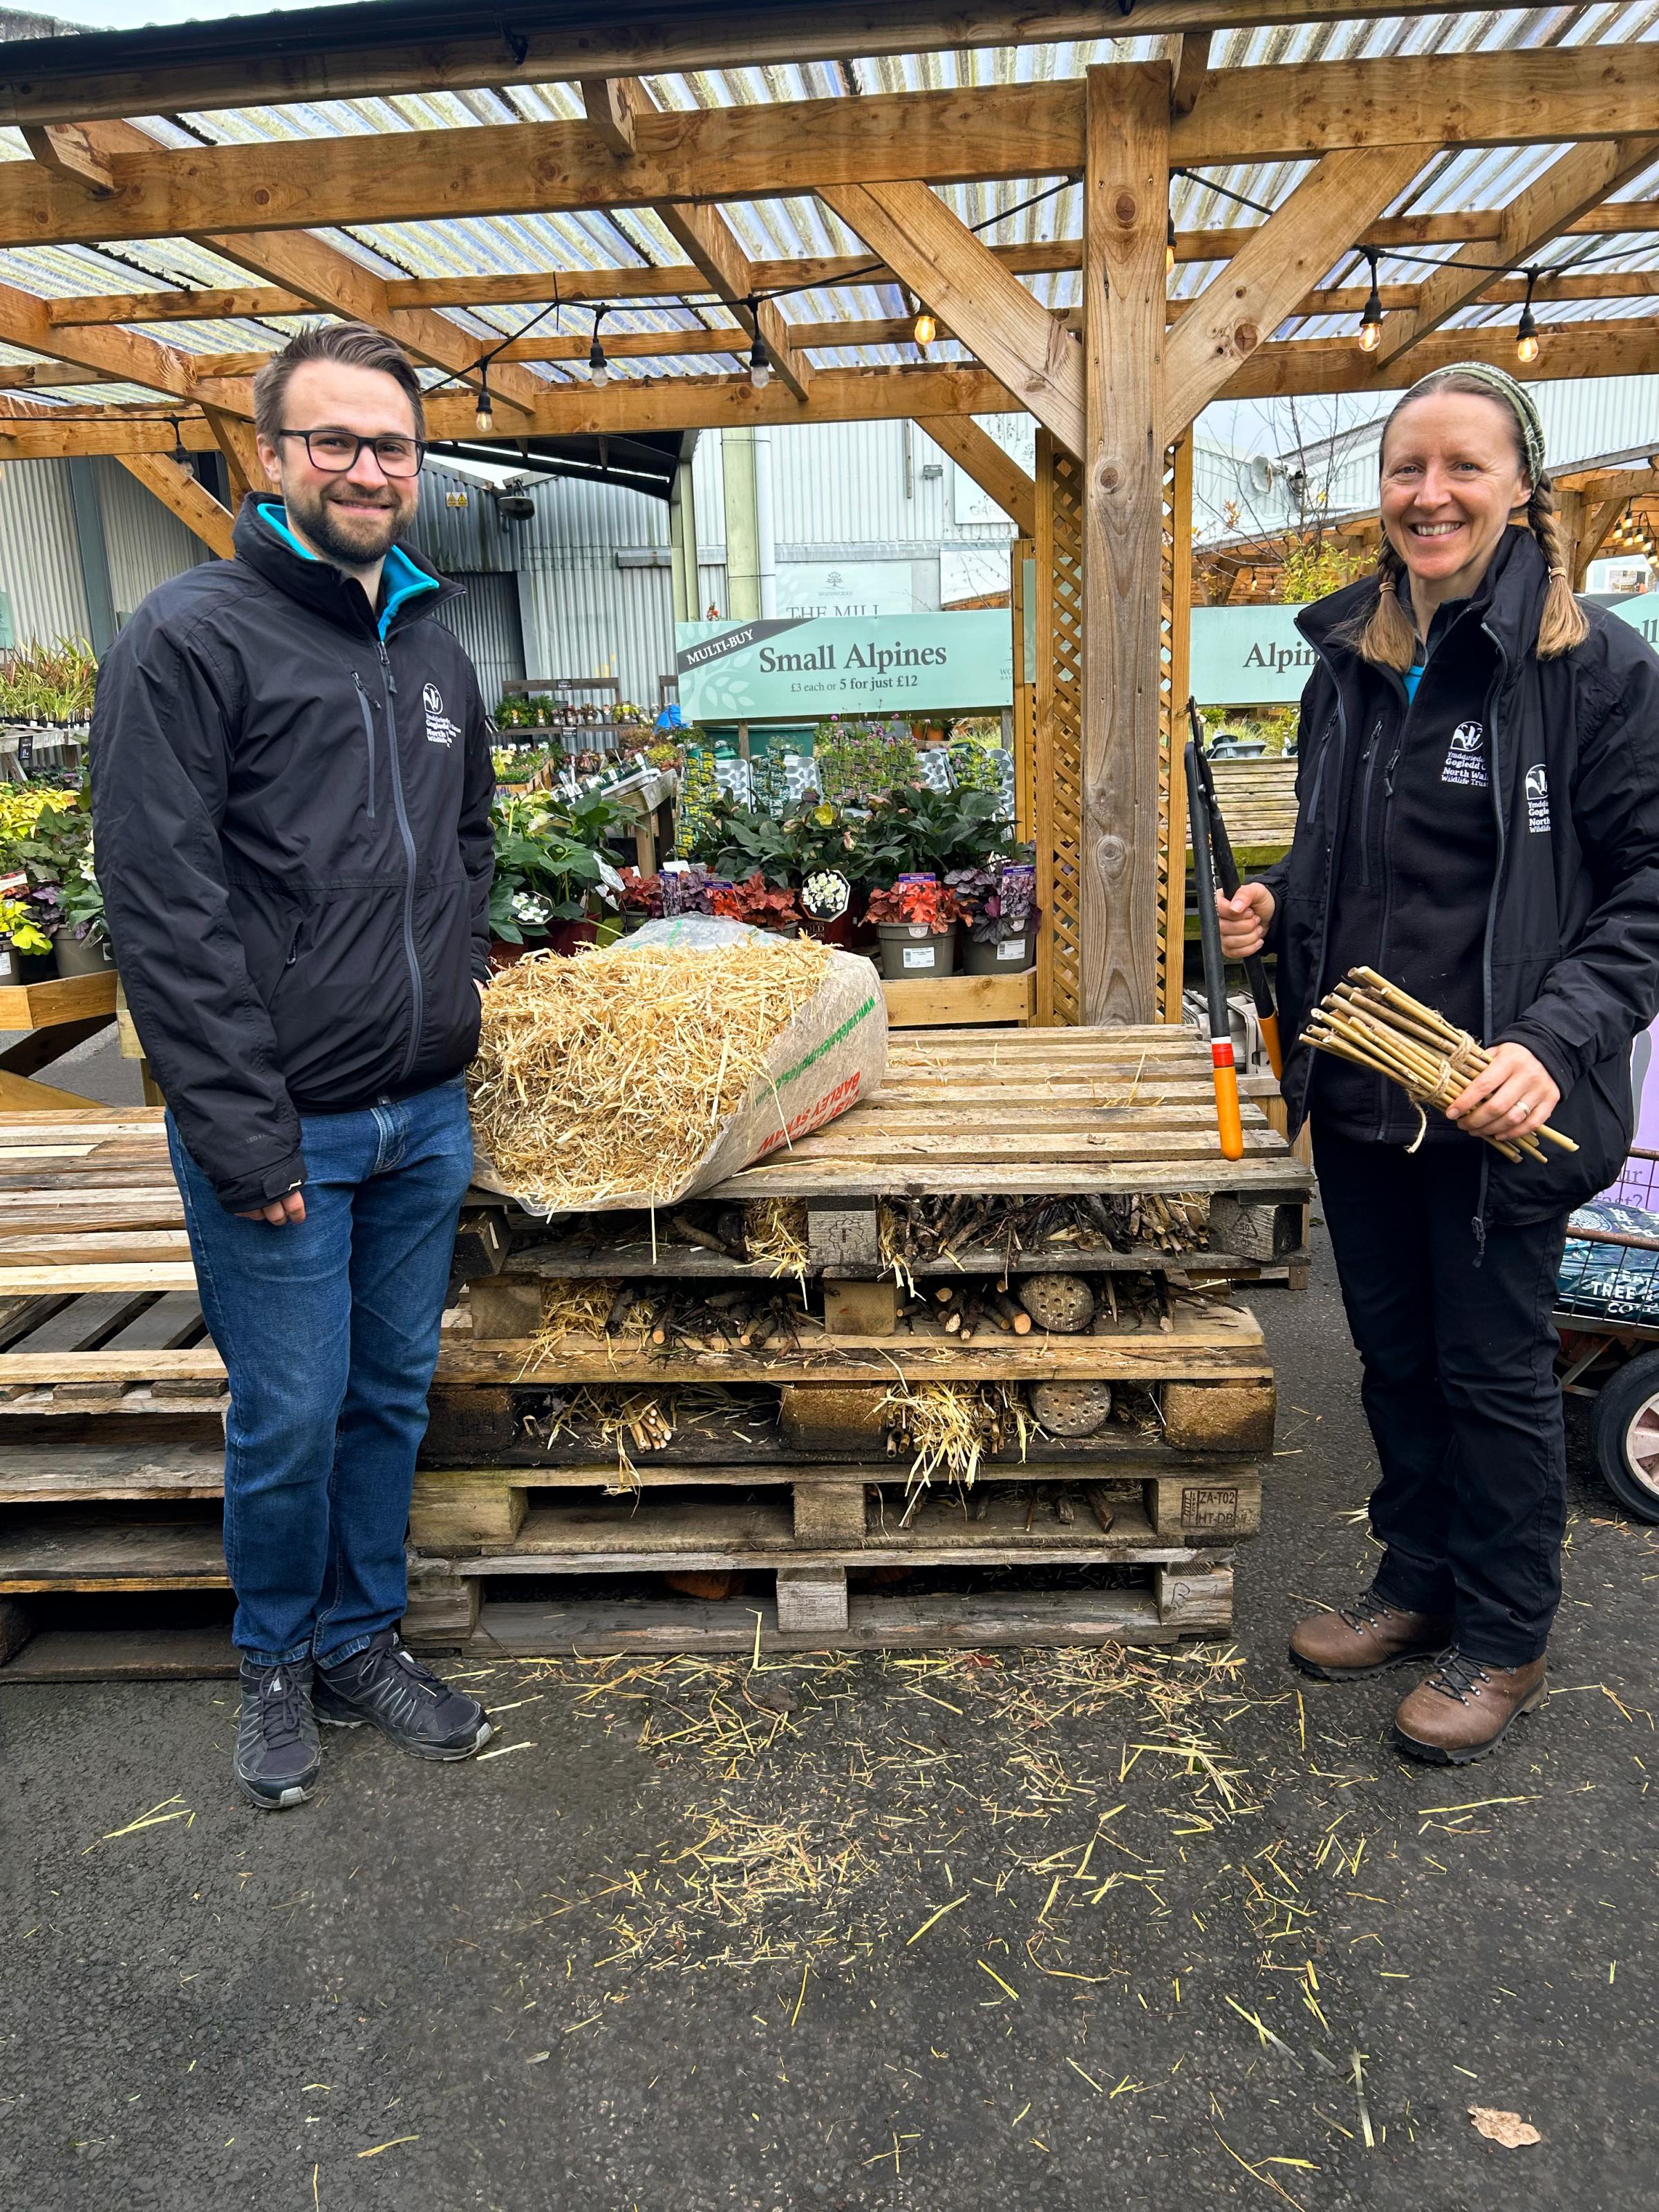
{"x":321,"y":277}
{"x":1576,"y":181}
{"x":1280,"y":112}
{"x":127,"y":354}
{"x":181,"y":493}
{"x":934,"y":253}
{"x":615,"y":106}
{"x":977,"y":453}
{"x":214,"y":64}
{"x":1262,"y":284}
{"x":679,"y":280}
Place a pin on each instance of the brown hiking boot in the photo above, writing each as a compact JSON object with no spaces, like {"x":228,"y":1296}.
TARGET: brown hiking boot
{"x":1463,"y":1709}
{"x":1366,"y":1638}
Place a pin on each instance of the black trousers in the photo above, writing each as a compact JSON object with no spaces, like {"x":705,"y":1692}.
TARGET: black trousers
{"x":1459,"y":1389}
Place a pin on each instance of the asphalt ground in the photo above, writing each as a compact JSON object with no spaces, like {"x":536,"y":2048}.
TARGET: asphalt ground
{"x":965,"y":1931}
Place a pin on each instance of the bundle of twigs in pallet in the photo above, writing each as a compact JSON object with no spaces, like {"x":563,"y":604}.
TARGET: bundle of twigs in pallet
{"x":1374,"y":1023}
{"x":948,"y":1428}
{"x":925,"y":1229}
{"x":666,"y":1319}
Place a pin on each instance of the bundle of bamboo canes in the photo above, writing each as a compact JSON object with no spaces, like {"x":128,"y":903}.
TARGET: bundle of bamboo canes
{"x":1376,"y":1024}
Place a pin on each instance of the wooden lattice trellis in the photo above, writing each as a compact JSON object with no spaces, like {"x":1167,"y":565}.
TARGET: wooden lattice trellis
{"x":1058,"y":749}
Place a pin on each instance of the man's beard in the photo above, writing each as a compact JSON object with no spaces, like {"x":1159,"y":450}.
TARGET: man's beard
{"x":351,"y":543}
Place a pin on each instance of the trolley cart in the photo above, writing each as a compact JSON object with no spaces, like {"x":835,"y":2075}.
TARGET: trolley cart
{"x":1607,"y":1317}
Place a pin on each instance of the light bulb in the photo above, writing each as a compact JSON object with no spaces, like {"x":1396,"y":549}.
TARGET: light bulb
{"x":760,"y":367}
{"x":1169,"y":245}
{"x":483,"y":419}
{"x":1371,"y":333}
{"x":1526,"y":337}
{"x":598,"y":368}
{"x":927,"y":328}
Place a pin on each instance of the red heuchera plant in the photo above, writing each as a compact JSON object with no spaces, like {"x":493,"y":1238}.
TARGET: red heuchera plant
{"x":756,"y":902}
{"x":641,"y":894}
{"x":933,"y":906}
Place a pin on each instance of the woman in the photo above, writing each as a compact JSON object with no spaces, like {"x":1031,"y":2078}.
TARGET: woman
{"x":1478,"y":818}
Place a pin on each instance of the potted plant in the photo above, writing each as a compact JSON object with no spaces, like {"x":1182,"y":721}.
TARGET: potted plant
{"x":549,"y":865}
{"x":915,"y":921}
{"x":999,"y":902}
{"x":761,"y":905}
{"x":640,"y":899}
{"x":21,"y":937}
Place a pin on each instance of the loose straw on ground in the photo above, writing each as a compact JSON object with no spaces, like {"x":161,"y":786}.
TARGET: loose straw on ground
{"x":1374,"y":1023}
{"x":608,"y":1074}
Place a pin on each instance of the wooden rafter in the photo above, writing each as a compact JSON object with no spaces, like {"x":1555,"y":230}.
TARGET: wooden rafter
{"x":1573,"y":183}
{"x":977,"y":453}
{"x":181,"y":493}
{"x":1189,"y":59}
{"x":1262,"y":283}
{"x":1283,"y":112}
{"x":615,"y":107}
{"x":680,"y":281}
{"x":319,"y":275}
{"x":66,"y":148}
{"x":197,"y":66}
{"x":944,"y":263}
{"x":127,"y":354}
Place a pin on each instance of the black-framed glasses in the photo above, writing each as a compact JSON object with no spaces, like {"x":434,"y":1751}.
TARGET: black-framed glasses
{"x":334,"y":452}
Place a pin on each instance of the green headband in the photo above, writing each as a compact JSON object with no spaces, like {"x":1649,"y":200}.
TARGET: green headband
{"x":1502,"y":386}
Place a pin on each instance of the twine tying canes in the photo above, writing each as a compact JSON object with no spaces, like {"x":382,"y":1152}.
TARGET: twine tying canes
{"x":1376,"y":1024}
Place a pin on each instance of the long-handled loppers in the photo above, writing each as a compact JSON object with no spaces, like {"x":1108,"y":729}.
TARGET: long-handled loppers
{"x":1226,"y":875}
{"x":1228,"y":1119}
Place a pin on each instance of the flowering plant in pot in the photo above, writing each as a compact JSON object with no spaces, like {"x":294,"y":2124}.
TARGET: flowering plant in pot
{"x":549,"y":865}
{"x":761,"y":905}
{"x":640,"y":898}
{"x":856,"y":761}
{"x":999,"y":902}
{"x":915,"y":921}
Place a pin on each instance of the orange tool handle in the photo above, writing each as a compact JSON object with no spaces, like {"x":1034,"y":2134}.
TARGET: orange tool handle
{"x":1268,"y":1024}
{"x":1228,"y":1118}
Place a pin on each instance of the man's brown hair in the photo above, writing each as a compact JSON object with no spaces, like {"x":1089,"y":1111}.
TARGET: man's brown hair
{"x":355,"y":344}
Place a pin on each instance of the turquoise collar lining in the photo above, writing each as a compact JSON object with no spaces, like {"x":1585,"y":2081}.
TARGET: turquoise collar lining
{"x":403,"y":579}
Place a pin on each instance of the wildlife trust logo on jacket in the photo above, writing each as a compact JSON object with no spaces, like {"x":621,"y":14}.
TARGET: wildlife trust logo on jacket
{"x":1466,"y":757}
{"x":1538,"y":800}
{"x":439,"y":730}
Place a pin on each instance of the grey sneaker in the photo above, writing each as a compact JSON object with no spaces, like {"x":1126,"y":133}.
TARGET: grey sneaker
{"x":278,"y":1757}
{"x":384,"y":1686}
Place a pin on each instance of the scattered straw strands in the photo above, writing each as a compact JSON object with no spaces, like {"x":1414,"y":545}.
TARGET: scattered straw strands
{"x":949,"y":1427}
{"x":775,"y":1235}
{"x":609,"y":1074}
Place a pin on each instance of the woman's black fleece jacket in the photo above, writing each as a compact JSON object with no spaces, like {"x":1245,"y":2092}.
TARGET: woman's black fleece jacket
{"x":1503,"y":865}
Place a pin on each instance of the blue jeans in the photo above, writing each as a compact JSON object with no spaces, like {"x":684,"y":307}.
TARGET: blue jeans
{"x":329,"y":1329}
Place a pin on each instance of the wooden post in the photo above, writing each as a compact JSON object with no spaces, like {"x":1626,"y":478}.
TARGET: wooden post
{"x":1022,"y":550}
{"x":1126,"y":201}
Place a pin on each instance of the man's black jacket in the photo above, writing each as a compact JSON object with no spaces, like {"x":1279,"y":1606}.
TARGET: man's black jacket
{"x":291,"y":825}
{"x":1570,"y":950}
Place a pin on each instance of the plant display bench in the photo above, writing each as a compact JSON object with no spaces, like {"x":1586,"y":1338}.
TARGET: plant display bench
{"x":56,"y":1016}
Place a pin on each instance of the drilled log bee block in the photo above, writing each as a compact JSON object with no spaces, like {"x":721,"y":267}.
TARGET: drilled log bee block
{"x":824,"y":1413}
{"x":1193,"y":1598}
{"x":844,"y":1236}
{"x":455,"y":1507}
{"x":829,"y":1513}
{"x":1064,"y":1304}
{"x":861,"y":1309}
{"x":468,"y":1423}
{"x":1204,"y":1512}
{"x":504,"y":1307}
{"x":442,"y":1609}
{"x":1072,"y":1409}
{"x":812,"y":1600}
{"x":1234,"y":1417}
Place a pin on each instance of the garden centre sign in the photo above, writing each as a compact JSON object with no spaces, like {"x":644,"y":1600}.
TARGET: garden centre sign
{"x":1256,"y":656}
{"x":792,"y":668}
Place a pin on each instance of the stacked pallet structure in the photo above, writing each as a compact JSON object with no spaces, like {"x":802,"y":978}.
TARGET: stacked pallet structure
{"x":539,"y":1526}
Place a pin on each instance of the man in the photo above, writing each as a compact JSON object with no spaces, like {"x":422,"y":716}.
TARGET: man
{"x":291,"y":792}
